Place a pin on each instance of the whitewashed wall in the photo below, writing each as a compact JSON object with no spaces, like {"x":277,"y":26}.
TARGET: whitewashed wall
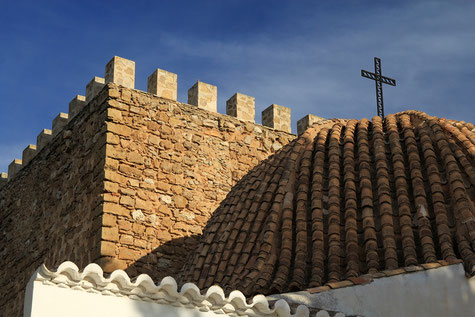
{"x":441,"y":292}
{"x":53,"y":301}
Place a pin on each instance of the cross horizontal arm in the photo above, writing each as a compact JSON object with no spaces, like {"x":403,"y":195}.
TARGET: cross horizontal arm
{"x":367,"y":74}
{"x":385,"y":80}
{"x":388,"y":81}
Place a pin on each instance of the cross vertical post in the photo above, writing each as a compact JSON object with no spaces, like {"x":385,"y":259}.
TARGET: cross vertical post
{"x":379,"y":81}
{"x":379,"y":87}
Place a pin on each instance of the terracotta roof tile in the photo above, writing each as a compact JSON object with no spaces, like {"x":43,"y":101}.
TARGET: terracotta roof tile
{"x":318,"y":289}
{"x":340,"y":284}
{"x":346,"y":200}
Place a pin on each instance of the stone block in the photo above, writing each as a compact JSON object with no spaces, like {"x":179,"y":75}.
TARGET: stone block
{"x":14,"y":168}
{"x":163,"y":84}
{"x":110,"y":234}
{"x":241,"y":106}
{"x":3,"y":179}
{"x":121,"y":71}
{"x":76,"y":105}
{"x":128,"y":254}
{"x":28,"y":153}
{"x":306,"y":122}
{"x":94,"y":87}
{"x":59,"y":122}
{"x":204,"y":96}
{"x":277,"y":117}
{"x":108,"y":248}
{"x":43,"y":138}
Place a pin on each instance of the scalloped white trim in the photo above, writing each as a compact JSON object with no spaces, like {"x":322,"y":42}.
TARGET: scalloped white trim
{"x":92,"y":279}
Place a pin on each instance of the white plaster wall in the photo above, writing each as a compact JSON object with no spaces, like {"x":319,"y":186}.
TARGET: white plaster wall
{"x":53,"y":301}
{"x":444,"y":292}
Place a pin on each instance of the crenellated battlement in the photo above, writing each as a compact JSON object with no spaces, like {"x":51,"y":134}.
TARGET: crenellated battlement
{"x":128,"y":179}
{"x":163,"y":84}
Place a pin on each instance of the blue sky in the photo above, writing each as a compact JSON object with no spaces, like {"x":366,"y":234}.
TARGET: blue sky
{"x":306,"y":55}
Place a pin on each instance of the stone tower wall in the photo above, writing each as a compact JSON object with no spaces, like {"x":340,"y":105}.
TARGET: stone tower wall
{"x":50,"y":210}
{"x":127,"y":179}
{"x":168,"y":166}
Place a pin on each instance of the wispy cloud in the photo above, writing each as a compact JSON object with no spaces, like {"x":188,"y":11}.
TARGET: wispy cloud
{"x":425,"y":46}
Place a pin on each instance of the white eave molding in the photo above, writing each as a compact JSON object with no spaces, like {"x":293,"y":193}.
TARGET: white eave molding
{"x":118,"y":284}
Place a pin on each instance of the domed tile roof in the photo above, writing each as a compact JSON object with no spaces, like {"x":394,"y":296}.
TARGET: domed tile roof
{"x":345,"y":198}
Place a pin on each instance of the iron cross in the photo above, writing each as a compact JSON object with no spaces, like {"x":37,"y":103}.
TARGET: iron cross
{"x":380,"y":80}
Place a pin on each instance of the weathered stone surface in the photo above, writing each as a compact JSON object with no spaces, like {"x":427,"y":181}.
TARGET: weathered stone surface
{"x":110,"y":234}
{"x":133,"y":183}
{"x":306,"y":122}
{"x":49,"y":213}
{"x":108,"y":248}
{"x":43,"y":138}
{"x":204,"y":96}
{"x":14,"y":167}
{"x":94,"y":87}
{"x":109,"y":220}
{"x":60,"y":122}
{"x":28,"y":153}
{"x":163,"y":84}
{"x":241,"y":106}
{"x":175,"y":163}
{"x":127,"y":254}
{"x":76,"y":105}
{"x":120,"y":71}
{"x":277,"y":117}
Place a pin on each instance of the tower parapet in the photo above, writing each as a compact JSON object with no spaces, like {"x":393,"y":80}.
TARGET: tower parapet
{"x":59,"y":122}
{"x":28,"y":153}
{"x":162,"y":84}
{"x":113,"y":181}
{"x":14,"y":167}
{"x":204,"y":96}
{"x":121,"y":71}
{"x":241,"y":106}
{"x":277,"y":117}
{"x":76,"y":105}
{"x":43,"y":138}
{"x":306,"y":122}
{"x":93,"y":87}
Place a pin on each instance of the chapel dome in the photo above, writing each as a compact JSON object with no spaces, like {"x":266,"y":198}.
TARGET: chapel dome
{"x":345,"y":198}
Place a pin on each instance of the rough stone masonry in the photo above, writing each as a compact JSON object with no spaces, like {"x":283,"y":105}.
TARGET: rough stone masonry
{"x":128,"y":179}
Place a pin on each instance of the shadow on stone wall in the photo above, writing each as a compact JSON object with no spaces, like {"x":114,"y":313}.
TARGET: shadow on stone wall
{"x":169,"y":258}
{"x":166,"y":260}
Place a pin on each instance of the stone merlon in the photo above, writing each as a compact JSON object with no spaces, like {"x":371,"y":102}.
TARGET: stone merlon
{"x":43,"y":138}
{"x":277,"y":117}
{"x":60,"y":122}
{"x":28,"y":153}
{"x":14,"y":167}
{"x":204,"y":96}
{"x":306,"y":122}
{"x":120,"y":71}
{"x":93,"y":88}
{"x":241,"y":106}
{"x":76,"y":105}
{"x":162,"y":84}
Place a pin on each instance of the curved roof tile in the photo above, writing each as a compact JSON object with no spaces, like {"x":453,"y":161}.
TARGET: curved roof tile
{"x":346,"y":198}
